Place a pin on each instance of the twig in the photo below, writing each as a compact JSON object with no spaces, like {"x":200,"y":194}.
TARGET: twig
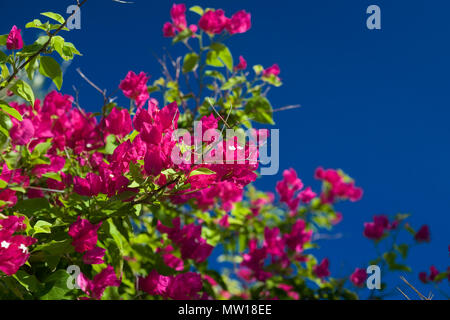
{"x":102,"y":92}
{"x":42,"y":49}
{"x":403,"y":293}
{"x":294,"y":106}
{"x":422,"y":297}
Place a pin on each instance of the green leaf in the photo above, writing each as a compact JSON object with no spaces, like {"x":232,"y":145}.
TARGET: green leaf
{"x":29,"y":281}
{"x":31,"y":67}
{"x":441,"y":276}
{"x":11,"y":111}
{"x":51,"y":69}
{"x":71,"y":46}
{"x":190,"y":62}
{"x":31,"y":207}
{"x":42,"y":227}
{"x":220,"y":56}
{"x":54,"y":16}
{"x":56,"y":286}
{"x":3,"y":57}
{"x":232,"y":82}
{"x":36,"y":23}
{"x":133,"y":135}
{"x":110,"y":144}
{"x":41,"y":149}
{"x":258,"y":69}
{"x":23,"y":90}
{"x":410,"y":229}
{"x":183,"y":35}
{"x":390,"y":258}
{"x":402,"y":249}
{"x":259,"y":109}
{"x":273,"y":80}
{"x":197,"y":9}
{"x":3,"y":39}
{"x":55,"y":247}
{"x":201,"y":170}
{"x":215,"y":74}
{"x":3,"y":184}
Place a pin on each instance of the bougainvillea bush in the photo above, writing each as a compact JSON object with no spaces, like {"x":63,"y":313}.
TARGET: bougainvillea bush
{"x":130,"y":202}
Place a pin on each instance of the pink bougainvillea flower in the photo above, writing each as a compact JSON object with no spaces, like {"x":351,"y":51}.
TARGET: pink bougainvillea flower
{"x":193,"y":28}
{"x":56,"y":164}
{"x":358,"y":277}
{"x":273,"y":242}
{"x":168,"y":116}
{"x":185,"y":286}
{"x":307,"y":195}
{"x":287,"y":189}
{"x":242,"y":65}
{"x":375,"y":230}
{"x":213,"y":22}
{"x":84,"y":234}
{"x":288,"y":289}
{"x":423,"y":277}
{"x":151,"y":134}
{"x":257,"y":204}
{"x":154,"y":283}
{"x":135,"y":87}
{"x":154,"y":161}
{"x":434,"y":272}
{"x":337,"y":219}
{"x":169,"y":30}
{"x":90,"y":186}
{"x":14,"y":40}
{"x":207,"y":122}
{"x":210,"y":280}
{"x":95,"y":288}
{"x":423,"y":235}
{"x":57,"y":104}
{"x":273,"y":70}
{"x":94,"y":256}
{"x":11,"y":224}
{"x":321,"y":270}
{"x":338,"y":188}
{"x":13,"y":248}
{"x":188,"y":238}
{"x":254,"y":261}
{"x":118,"y":122}
{"x":240,"y":22}
{"x":14,"y":252}
{"x":223,"y":222}
{"x":22,"y":132}
{"x":171,"y":260}
{"x":8,"y":196}
{"x":298,"y":236}
{"x":245,"y":274}
{"x":178,"y":14}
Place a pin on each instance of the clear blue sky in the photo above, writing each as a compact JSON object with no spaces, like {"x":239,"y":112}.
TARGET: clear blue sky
{"x":374,"y":103}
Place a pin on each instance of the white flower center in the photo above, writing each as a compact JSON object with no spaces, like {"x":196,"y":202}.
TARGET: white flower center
{"x":5,"y":244}
{"x":24,"y":248}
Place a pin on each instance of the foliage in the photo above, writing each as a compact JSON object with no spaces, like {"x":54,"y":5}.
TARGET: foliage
{"x":93,"y":205}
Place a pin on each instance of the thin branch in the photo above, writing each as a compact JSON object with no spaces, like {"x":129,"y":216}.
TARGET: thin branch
{"x":403,"y":293}
{"x":102,"y":92}
{"x":294,"y":106}
{"x":42,"y":49}
{"x":422,"y":297}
